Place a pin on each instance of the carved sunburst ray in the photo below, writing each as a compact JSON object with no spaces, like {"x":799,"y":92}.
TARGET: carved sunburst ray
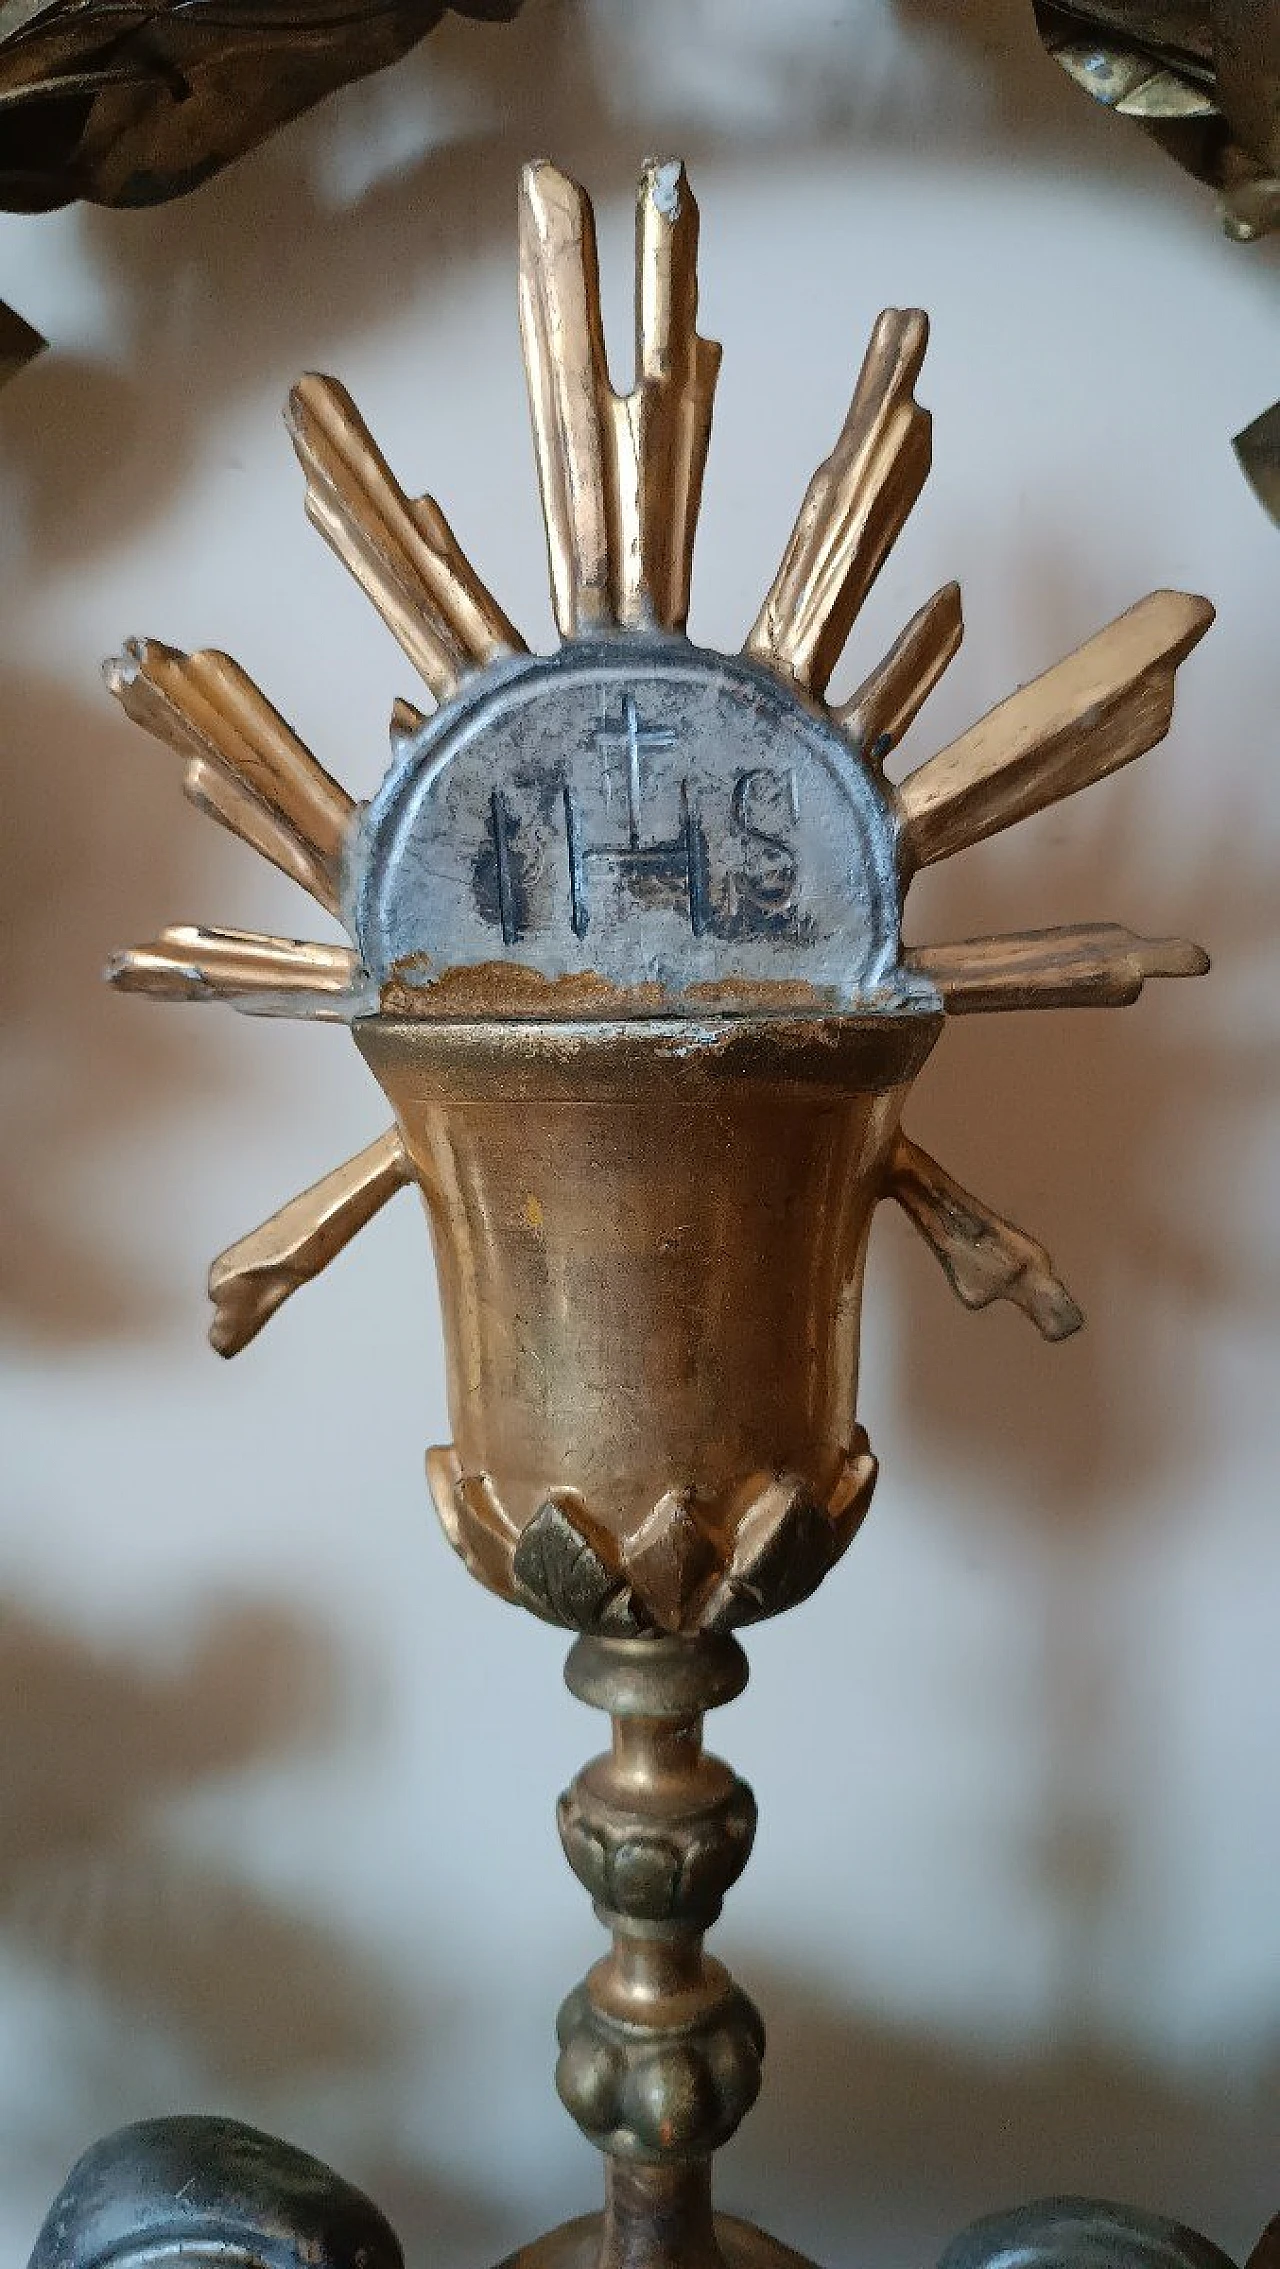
{"x":404,"y":555}
{"x":620,"y":477}
{"x":244,"y":764}
{"x":267,"y":976}
{"x":891,"y":696}
{"x":854,"y":510}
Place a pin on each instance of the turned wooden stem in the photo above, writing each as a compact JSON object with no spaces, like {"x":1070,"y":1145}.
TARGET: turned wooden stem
{"x":660,"y":2052}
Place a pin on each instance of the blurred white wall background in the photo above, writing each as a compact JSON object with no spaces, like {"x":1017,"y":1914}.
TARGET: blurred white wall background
{"x":276,"y":1780}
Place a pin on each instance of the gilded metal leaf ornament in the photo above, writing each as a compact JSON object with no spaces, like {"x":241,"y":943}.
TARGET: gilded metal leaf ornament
{"x":1203,"y":78}
{"x":133,"y":104}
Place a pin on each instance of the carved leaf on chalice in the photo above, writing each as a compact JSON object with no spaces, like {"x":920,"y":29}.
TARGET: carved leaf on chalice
{"x":627,"y":956}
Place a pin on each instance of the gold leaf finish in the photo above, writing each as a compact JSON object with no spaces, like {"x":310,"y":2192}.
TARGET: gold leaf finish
{"x":887,"y":702}
{"x":1081,"y":965}
{"x":854,"y":510}
{"x":651,"y":1229}
{"x":406,"y":721}
{"x":630,"y":1303}
{"x":211,"y":789}
{"x":570,"y":399}
{"x":210,"y":711}
{"x":620,"y":475}
{"x":187,"y":963}
{"x":1107,"y":703}
{"x":650,"y":1206}
{"x":472,"y":1517}
{"x":983,"y":1256}
{"x":668,"y":413}
{"x":404,"y":555}
{"x":691,"y":1565}
{"x":252,"y":1278}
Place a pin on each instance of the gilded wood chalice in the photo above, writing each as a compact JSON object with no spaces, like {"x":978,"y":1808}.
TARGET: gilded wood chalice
{"x":626,"y":956}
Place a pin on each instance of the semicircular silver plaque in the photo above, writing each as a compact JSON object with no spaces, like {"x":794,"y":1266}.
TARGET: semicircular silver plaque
{"x":642,"y":816}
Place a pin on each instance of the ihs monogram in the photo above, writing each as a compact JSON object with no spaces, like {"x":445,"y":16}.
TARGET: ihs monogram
{"x":754,"y":892}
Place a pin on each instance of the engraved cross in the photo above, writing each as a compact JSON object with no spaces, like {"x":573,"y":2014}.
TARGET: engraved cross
{"x":633,"y":740}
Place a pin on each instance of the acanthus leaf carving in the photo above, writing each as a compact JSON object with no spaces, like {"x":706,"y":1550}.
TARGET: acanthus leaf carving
{"x":690,"y":1566}
{"x":562,"y":1574}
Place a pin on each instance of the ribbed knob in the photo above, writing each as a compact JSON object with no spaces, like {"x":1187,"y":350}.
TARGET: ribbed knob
{"x":660,"y":2052}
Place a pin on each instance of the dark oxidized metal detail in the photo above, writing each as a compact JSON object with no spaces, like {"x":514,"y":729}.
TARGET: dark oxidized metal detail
{"x":1080,"y":2233}
{"x":559,"y":1571}
{"x":203,"y":2188}
{"x":615,"y":815}
{"x":677,"y":1870}
{"x":660,"y":2052}
{"x":131,"y":106}
{"x":659,"y":2096}
{"x":686,"y":1568}
{"x":1202,"y":77}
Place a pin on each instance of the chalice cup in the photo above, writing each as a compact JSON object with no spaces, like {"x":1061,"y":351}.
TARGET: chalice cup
{"x":625,"y":954}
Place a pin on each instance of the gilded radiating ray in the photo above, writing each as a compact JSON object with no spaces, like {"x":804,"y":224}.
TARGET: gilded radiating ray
{"x":569,"y":393}
{"x":252,"y":1278}
{"x":620,"y":475}
{"x":207,"y":783}
{"x":1108,"y":702}
{"x":402,"y":553}
{"x":209,"y":788}
{"x":983,"y":1256}
{"x":407,"y":722}
{"x":854,"y":510}
{"x":206,"y":707}
{"x":890,"y":699}
{"x":662,"y":447}
{"x":621,"y":481}
{"x":265,"y":975}
{"x":1079,"y":965}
